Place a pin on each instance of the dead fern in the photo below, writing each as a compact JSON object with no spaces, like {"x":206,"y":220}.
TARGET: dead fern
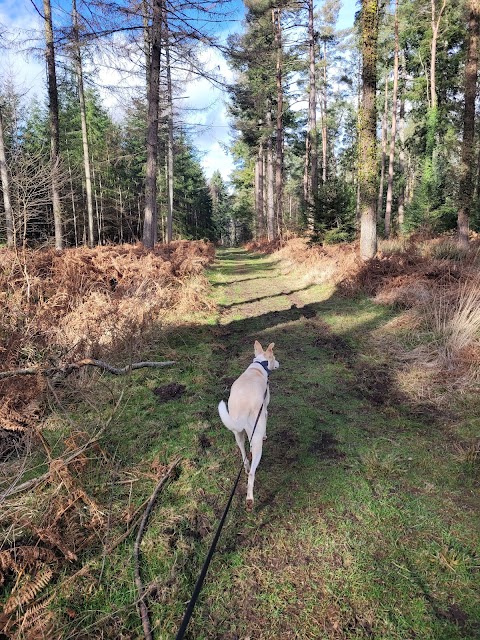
{"x":28,"y":588}
{"x":29,"y":570}
{"x":36,"y":620}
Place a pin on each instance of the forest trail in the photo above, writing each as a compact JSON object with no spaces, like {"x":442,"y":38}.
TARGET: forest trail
{"x":358,"y":513}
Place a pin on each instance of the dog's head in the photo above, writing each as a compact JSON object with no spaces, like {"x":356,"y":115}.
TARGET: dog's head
{"x":267,"y":354}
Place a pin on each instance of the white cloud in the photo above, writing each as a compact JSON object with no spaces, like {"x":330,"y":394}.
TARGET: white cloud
{"x":21,"y":62}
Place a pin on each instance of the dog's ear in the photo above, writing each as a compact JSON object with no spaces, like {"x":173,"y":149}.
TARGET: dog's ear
{"x":270,"y":346}
{"x":258,"y":348}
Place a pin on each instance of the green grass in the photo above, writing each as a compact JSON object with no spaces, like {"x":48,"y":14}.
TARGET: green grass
{"x":366,"y":520}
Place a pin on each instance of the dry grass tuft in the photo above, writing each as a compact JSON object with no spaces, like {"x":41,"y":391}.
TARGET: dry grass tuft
{"x":317,"y":264}
{"x":437,"y":287}
{"x":453,"y":318}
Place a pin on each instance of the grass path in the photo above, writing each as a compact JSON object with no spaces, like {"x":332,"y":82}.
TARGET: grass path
{"x":366,"y":521}
{"x":362,"y":526}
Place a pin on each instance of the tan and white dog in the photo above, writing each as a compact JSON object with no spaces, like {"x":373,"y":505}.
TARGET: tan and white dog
{"x":248,"y":393}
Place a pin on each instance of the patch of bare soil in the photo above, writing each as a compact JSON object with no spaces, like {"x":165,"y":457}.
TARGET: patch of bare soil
{"x":324,"y":446}
{"x":171,"y":391}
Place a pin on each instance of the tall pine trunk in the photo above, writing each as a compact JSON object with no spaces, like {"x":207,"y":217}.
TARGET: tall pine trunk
{"x":54,"y":124}
{"x":466,"y":173}
{"x":324,"y":115}
{"x":83,"y":120}
{"x":153,"y":99}
{"x":169,"y":130}
{"x":401,"y":162}
{"x":428,"y":177}
{"x":393,"y":134}
{"x":384,"y":151}
{"x":367,"y":124}
{"x":277,"y":25}
{"x":310,"y":178}
{"x":270,"y":179}
{"x":259,"y":204}
{"x":7,"y":204}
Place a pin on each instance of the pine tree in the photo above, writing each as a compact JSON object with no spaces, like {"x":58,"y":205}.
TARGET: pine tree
{"x":367,"y":124}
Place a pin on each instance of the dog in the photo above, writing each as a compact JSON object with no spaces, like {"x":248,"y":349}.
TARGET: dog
{"x":249,"y":398}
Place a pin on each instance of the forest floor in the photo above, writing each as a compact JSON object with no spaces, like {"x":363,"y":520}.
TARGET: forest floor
{"x":366,"y":518}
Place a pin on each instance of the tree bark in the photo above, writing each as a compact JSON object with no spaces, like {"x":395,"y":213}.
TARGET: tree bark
{"x":324,"y":115}
{"x":7,"y":203}
{"x":384,"y":151}
{"x":259,"y":204}
{"x":393,"y":134}
{"x":153,"y":99}
{"x":310,"y":180}
{"x":54,"y":123}
{"x":433,"y":51}
{"x":466,"y":170}
{"x":170,"y":130}
{"x":277,"y":25}
{"x":270,"y":179}
{"x":367,"y":124}
{"x":83,"y":120}
{"x":401,"y":155}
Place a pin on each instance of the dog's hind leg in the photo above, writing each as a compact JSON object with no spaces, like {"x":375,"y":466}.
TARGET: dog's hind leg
{"x":240,"y":438}
{"x":256,"y":449}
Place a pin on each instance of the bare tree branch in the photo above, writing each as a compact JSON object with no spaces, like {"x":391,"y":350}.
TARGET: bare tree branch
{"x":86,"y":362}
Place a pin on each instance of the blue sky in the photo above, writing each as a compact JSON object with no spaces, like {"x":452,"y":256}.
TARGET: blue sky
{"x":205,"y":105}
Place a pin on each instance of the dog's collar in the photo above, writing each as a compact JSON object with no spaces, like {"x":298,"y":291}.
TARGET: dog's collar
{"x":264,"y":364}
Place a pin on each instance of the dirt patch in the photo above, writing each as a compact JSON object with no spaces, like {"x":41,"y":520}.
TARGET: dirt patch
{"x":170,"y":391}
{"x":336,"y":345}
{"x":324,"y":445}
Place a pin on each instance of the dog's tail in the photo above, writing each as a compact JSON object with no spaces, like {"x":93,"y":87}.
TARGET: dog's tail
{"x":226,"y":418}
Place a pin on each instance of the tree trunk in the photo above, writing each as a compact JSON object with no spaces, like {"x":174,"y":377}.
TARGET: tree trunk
{"x":153,"y":98}
{"x":466,"y":171}
{"x":324,"y":116}
{"x":72,"y":197}
{"x":384,"y":151}
{"x":432,"y":116}
{"x":170,"y":130}
{"x":54,"y":124}
{"x":310,"y":180}
{"x":6,"y":188}
{"x":401,"y":160}
{"x":433,"y":51}
{"x":277,"y":25}
{"x":259,"y":205}
{"x":367,"y":124}
{"x":83,"y":119}
{"x":391,"y":159}
{"x":270,"y":188}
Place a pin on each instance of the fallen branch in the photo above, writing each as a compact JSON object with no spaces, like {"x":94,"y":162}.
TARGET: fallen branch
{"x":142,"y":607}
{"x":86,"y":362}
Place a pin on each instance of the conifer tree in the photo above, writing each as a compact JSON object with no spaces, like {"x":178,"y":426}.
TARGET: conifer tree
{"x":367,"y":125}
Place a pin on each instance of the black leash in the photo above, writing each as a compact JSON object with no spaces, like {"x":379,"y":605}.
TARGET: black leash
{"x":199,"y":584}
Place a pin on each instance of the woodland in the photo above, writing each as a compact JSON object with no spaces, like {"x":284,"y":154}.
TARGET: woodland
{"x":323,"y":143}
{"x":133,"y":284}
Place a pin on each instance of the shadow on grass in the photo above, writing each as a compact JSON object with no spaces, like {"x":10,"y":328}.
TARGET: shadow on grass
{"x":266,"y":297}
